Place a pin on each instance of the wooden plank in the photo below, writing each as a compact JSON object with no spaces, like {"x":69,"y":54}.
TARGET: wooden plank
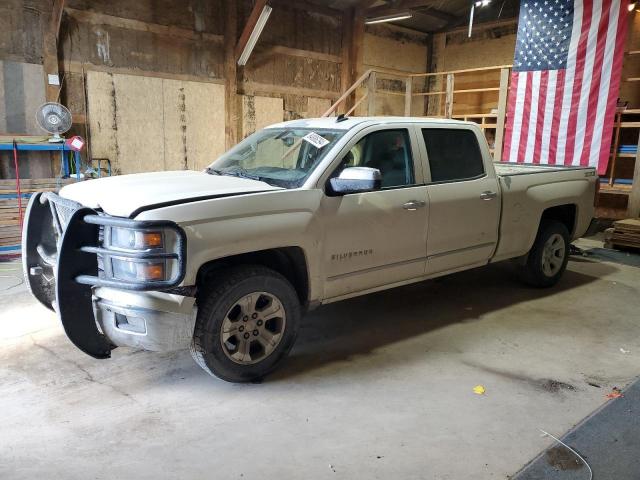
{"x":96,"y":18}
{"x":266,"y":89}
{"x":502,"y":113}
{"x":267,"y":50}
{"x":81,"y":68}
{"x":448,"y":105}
{"x":254,"y":16}
{"x":633,"y":207}
{"x":466,"y":70}
{"x":231,"y":98}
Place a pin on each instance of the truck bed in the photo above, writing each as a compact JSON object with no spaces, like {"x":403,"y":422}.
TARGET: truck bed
{"x":504,"y":169}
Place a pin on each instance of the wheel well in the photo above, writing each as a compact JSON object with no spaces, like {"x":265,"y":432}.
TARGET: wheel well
{"x":565,"y":214}
{"x":290,"y":262}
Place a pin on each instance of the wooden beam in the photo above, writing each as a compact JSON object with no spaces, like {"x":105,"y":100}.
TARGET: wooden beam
{"x":308,"y":7}
{"x":231,"y":100}
{"x":50,"y":51}
{"x":346,"y":71}
{"x":633,"y":207}
{"x":267,"y":89}
{"x":502,"y":113}
{"x":422,"y":7}
{"x":250,"y":26}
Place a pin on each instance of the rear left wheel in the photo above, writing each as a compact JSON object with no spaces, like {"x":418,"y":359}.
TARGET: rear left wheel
{"x":547,"y":259}
{"x":246,"y":324}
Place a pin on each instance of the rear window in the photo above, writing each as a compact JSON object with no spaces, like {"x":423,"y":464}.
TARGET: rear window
{"x":454,"y":154}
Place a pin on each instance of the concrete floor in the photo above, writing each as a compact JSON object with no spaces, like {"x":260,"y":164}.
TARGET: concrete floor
{"x":377,"y":387}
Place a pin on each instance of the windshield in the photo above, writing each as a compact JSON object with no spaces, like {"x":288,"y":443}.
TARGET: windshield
{"x":283,"y":157}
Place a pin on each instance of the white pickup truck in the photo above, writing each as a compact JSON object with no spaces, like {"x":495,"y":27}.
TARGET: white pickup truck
{"x":302,"y":213}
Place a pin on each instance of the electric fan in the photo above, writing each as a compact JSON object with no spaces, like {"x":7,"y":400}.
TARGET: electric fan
{"x":54,"y":118}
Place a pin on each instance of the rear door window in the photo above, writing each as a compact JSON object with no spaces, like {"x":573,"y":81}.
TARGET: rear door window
{"x":454,"y":154}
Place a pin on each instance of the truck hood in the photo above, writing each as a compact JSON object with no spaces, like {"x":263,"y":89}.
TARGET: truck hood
{"x":123,"y":195}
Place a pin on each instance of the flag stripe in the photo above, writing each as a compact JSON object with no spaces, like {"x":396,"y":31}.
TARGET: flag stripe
{"x":532,"y":123}
{"x":518,"y":108}
{"x":577,"y":82}
{"x":568,"y":85}
{"x":526,"y":110}
{"x":542,"y":101}
{"x":595,"y":88}
{"x":614,"y":85}
{"x":511,"y":106}
{"x":550,"y":101}
{"x":557,"y":116}
{"x":587,"y":77}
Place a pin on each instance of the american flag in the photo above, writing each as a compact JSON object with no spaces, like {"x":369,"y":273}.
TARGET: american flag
{"x":565,"y":81}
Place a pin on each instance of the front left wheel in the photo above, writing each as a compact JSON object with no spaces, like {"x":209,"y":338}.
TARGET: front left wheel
{"x":247,"y":323}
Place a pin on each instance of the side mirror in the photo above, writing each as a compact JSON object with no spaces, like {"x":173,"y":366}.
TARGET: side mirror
{"x":355,"y":180}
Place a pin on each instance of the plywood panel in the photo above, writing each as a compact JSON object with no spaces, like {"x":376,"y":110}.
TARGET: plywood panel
{"x":101,"y":103}
{"x":317,"y":106}
{"x":22,"y":94}
{"x":259,"y":112}
{"x":205,"y":123}
{"x":139,"y":118}
{"x":397,"y":53}
{"x":148,"y":123}
{"x":176,"y":155}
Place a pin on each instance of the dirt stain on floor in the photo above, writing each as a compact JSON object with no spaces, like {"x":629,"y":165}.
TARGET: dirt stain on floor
{"x":562,"y":459}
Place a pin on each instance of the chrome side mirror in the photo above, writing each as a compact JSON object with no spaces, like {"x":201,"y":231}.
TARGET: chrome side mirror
{"x":355,"y":180}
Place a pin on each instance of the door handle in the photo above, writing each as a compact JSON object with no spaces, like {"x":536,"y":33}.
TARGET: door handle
{"x":413,"y":205}
{"x":488,"y":195}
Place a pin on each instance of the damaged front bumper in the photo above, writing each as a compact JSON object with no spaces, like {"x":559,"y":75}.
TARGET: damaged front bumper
{"x":63,"y":245}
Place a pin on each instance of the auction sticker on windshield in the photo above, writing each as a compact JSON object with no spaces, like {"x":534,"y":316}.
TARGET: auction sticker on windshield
{"x":316,"y":140}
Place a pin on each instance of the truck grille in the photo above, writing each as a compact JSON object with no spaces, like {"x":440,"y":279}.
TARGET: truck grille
{"x":61,"y":209}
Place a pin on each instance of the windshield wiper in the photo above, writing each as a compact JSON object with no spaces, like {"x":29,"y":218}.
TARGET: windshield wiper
{"x":236,"y":172}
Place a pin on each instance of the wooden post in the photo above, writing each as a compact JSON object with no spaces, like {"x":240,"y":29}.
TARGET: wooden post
{"x":502,"y":113}
{"x":231,"y":103}
{"x":50,"y":51}
{"x":448,"y":104}
{"x":371,"y":94}
{"x":346,"y":69}
{"x":614,"y":155}
{"x":408,"y":96}
{"x":633,"y":207}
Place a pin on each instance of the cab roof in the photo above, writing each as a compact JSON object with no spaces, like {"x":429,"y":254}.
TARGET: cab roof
{"x":349,"y":122}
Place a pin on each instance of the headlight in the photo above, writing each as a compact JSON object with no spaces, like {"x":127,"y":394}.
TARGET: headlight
{"x":130,"y":239}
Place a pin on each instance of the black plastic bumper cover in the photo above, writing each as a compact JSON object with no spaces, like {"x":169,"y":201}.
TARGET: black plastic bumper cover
{"x":73,"y":299}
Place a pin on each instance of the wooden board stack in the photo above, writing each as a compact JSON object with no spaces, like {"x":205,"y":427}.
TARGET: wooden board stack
{"x":624,"y":234}
{"x":10,"y":231}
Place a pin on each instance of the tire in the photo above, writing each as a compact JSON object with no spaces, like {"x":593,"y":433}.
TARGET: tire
{"x":246,"y":324}
{"x":547,"y":259}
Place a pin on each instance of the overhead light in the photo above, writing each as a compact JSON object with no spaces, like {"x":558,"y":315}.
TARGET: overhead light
{"x":388,"y":18}
{"x":255,"y":35}
{"x":632,"y":6}
{"x":482,"y":3}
